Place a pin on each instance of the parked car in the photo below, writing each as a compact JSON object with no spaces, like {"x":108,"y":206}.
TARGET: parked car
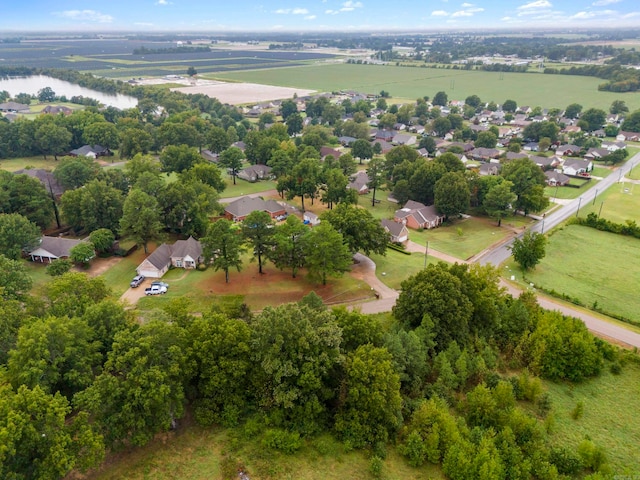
{"x":160,"y":284}
{"x":155,"y":290}
{"x":137,"y":280}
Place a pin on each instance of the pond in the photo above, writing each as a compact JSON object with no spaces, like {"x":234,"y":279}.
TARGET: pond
{"x":32,"y":84}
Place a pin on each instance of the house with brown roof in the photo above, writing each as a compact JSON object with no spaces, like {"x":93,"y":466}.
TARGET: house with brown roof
{"x":51,"y":185}
{"x":56,"y":109}
{"x":240,"y":208}
{"x":185,"y":254}
{"x":14,"y":107}
{"x":328,"y":151}
{"x":52,"y":248}
{"x":417,"y":215}
{"x":398,"y":232}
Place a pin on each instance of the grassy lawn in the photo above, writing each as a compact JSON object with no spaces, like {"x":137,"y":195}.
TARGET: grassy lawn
{"x":13,"y":164}
{"x":603,"y":172}
{"x":119,"y":276}
{"x":38,"y":276}
{"x":591,"y":266}
{"x":273,"y":287}
{"x":383,"y":209}
{"x":621,"y":202}
{"x":411,"y":83}
{"x":610,"y":420}
{"x":569,"y":192}
{"x":196,"y":453}
{"x":242,"y":187}
{"x":395,"y":267}
{"x":463,"y":238}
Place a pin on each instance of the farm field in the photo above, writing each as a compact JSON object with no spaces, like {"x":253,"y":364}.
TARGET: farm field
{"x":590,"y":266}
{"x":240,"y":93}
{"x":405,"y":83}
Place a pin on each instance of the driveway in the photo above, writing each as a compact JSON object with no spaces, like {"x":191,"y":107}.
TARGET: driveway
{"x":132,"y":295}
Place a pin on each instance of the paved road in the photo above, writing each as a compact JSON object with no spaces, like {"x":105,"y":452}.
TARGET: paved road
{"x":501,"y":253}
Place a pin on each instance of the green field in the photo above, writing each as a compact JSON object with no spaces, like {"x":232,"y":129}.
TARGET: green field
{"x":591,"y":266}
{"x":621,"y":202}
{"x":396,"y":267}
{"x":410,"y":83}
{"x":463,"y":238}
{"x":610,"y":420}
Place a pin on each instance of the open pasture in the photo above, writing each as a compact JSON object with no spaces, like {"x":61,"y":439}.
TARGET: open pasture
{"x":410,"y":83}
{"x":592,"y":267}
{"x":239,"y":93}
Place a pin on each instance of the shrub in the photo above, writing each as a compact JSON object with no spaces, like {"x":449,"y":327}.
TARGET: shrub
{"x":593,"y":457}
{"x":567,"y":462}
{"x":282,"y":440}
{"x":58,"y":267}
{"x":375,"y":467}
{"x":202,"y":267}
{"x":578,"y":411}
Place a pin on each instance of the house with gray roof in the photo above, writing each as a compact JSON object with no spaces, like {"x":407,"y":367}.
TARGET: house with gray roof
{"x":360,"y":183}
{"x":254,"y":173}
{"x":47,"y":179}
{"x":14,"y":107}
{"x":185,"y":254}
{"x":576,"y":166}
{"x":93,"y":151}
{"x":52,"y":248}
{"x":555,"y":178}
{"x":240,"y":208}
{"x":404,"y":139}
{"x":398,"y":232}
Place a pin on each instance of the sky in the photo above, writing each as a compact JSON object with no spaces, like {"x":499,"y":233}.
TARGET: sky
{"x":314,"y":15}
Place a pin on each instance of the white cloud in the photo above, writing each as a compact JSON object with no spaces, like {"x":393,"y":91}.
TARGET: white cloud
{"x":439,"y":13}
{"x":631,"y":15}
{"x":583,"y":15}
{"x":164,"y":2}
{"x":292,"y":11}
{"x":467,"y":13}
{"x":85,"y":16}
{"x":331,"y":12}
{"x":467,"y":5}
{"x":348,"y":6}
{"x":538,"y":4}
{"x":601,"y":3}
{"x":310,"y":17}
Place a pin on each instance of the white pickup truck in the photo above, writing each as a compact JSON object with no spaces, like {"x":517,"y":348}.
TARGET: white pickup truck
{"x":155,"y":290}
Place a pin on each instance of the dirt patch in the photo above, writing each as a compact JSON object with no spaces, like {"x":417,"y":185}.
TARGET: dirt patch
{"x":99,"y":265}
{"x":240,"y":93}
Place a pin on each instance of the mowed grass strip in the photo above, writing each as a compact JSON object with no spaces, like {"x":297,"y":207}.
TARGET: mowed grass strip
{"x":410,"y":83}
{"x":463,"y":238}
{"x":592,"y":266}
{"x":395,"y":267}
{"x":610,"y":419}
{"x":619,"y":203}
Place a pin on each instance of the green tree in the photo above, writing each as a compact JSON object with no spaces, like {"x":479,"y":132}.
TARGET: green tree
{"x":221,"y":350}
{"x":573,"y":110}
{"x":72,"y":293}
{"x":141,"y":391}
{"x":335,"y":186}
{"x":594,"y":117}
{"x":258,"y":230}
{"x":222,"y":247}
{"x":39,"y":438}
{"x":74,"y":172}
{"x":304,"y":180}
{"x":362,"y":150}
{"x":618,"y":106}
{"x":141,"y":218}
{"x":288,"y":251}
{"x":296,"y":351}
{"x":435,"y":299}
{"x":561,"y":348}
{"x":486,"y":140}
{"x":56,"y":353}
{"x":218,"y":139}
{"x":191,"y":71}
{"x":451,"y":194}
{"x":186,"y":207}
{"x":27,"y":196}
{"x":17,"y":234}
{"x":206,"y":173}
{"x":632,"y":122}
{"x":528,"y":184}
{"x":15,"y":282}
{"x":179,"y":158}
{"x":102,"y":133}
{"x":83,"y":253}
{"x":359,"y":229}
{"x":371,"y":408}
{"x":509,"y":106}
{"x":357,"y":329}
{"x":140,"y":164}
{"x":473,"y":101}
{"x":375,"y":172}
{"x":287,"y":108}
{"x":46,"y":94}
{"x":232,"y":159}
{"x":52,"y":139}
{"x":441,"y":126}
{"x":499,"y":201}
{"x":102,"y":239}
{"x":529,"y":250}
{"x":95,"y":206}
{"x":441,"y":99}
{"x":325,"y":252}
{"x":106,"y":318}
{"x":134,"y":141}
{"x":294,"y":124}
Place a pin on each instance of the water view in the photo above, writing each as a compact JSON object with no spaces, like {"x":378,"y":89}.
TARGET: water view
{"x":33,"y":84}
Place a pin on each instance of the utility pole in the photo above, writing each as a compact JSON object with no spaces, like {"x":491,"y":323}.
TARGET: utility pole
{"x":594,"y":197}
{"x":579,"y":201}
{"x":426,"y":254}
